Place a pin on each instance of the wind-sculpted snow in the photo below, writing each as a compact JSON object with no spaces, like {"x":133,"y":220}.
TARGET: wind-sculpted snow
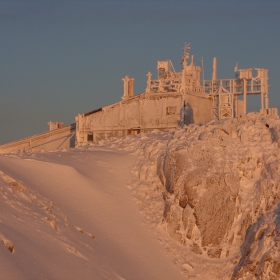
{"x":219,"y":179}
{"x":69,"y":215}
{"x":260,"y":251}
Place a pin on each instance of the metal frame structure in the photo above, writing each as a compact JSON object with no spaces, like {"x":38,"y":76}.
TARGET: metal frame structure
{"x":226,"y":92}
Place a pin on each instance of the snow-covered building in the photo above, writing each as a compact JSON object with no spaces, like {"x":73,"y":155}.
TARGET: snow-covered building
{"x":174,"y":99}
{"x":58,"y":137}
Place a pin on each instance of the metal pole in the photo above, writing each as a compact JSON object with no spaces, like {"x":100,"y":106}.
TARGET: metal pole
{"x":245,"y":95}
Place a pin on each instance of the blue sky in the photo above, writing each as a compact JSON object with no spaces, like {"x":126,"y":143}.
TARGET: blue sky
{"x":61,"y":58}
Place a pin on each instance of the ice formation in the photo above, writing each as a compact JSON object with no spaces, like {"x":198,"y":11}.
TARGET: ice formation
{"x":220,"y":187}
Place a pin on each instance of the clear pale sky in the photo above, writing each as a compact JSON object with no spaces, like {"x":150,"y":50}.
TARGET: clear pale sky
{"x":61,"y":58}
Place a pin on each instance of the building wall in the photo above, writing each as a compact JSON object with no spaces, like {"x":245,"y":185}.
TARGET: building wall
{"x":143,"y":112}
{"x":201,"y":106}
{"x":160,"y":111}
{"x":52,"y":140}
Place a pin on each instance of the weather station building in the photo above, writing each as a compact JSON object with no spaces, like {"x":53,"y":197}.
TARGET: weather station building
{"x":172,"y":100}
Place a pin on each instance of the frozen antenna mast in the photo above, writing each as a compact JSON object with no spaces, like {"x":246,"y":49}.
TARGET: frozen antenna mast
{"x":186,"y":54}
{"x":186,"y":47}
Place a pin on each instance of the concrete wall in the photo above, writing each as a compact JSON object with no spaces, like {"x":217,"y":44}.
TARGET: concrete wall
{"x":52,"y":140}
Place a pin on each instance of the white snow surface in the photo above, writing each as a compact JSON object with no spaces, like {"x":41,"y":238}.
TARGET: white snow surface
{"x":70,"y":215}
{"x":99,"y":211}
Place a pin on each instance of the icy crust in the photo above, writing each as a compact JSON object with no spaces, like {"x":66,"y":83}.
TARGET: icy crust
{"x":206,"y":185}
{"x":219,"y":179}
{"x":260,"y":251}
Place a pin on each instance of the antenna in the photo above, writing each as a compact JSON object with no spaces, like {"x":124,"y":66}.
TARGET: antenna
{"x":236,"y":67}
{"x":186,"y":47}
{"x":214,"y":73}
{"x":186,"y":55}
{"x":235,"y":70}
{"x":202,"y":66}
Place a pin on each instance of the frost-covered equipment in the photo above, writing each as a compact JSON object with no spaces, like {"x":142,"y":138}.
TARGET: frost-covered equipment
{"x":174,"y":99}
{"x":128,"y":87}
{"x":171,"y":81}
{"x":226,"y":92}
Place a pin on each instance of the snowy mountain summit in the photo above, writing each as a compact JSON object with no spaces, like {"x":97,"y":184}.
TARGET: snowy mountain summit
{"x":209,"y":193}
{"x":221,"y":191}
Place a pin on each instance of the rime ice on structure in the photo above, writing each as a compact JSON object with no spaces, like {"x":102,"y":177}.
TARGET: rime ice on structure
{"x":225,"y":92}
{"x":173,"y":100}
{"x":55,"y":125}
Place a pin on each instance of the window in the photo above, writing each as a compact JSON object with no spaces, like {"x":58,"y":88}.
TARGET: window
{"x":170,"y":110}
{"x":90,"y":137}
{"x":133,"y":131}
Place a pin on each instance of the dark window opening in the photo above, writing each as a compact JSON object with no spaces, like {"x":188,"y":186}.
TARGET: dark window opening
{"x":90,"y":137}
{"x":133,"y":131}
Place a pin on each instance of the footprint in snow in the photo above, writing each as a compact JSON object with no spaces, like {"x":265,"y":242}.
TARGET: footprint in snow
{"x":102,"y":163}
{"x":82,"y":231}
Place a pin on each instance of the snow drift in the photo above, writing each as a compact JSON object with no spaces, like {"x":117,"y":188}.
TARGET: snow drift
{"x":70,"y":215}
